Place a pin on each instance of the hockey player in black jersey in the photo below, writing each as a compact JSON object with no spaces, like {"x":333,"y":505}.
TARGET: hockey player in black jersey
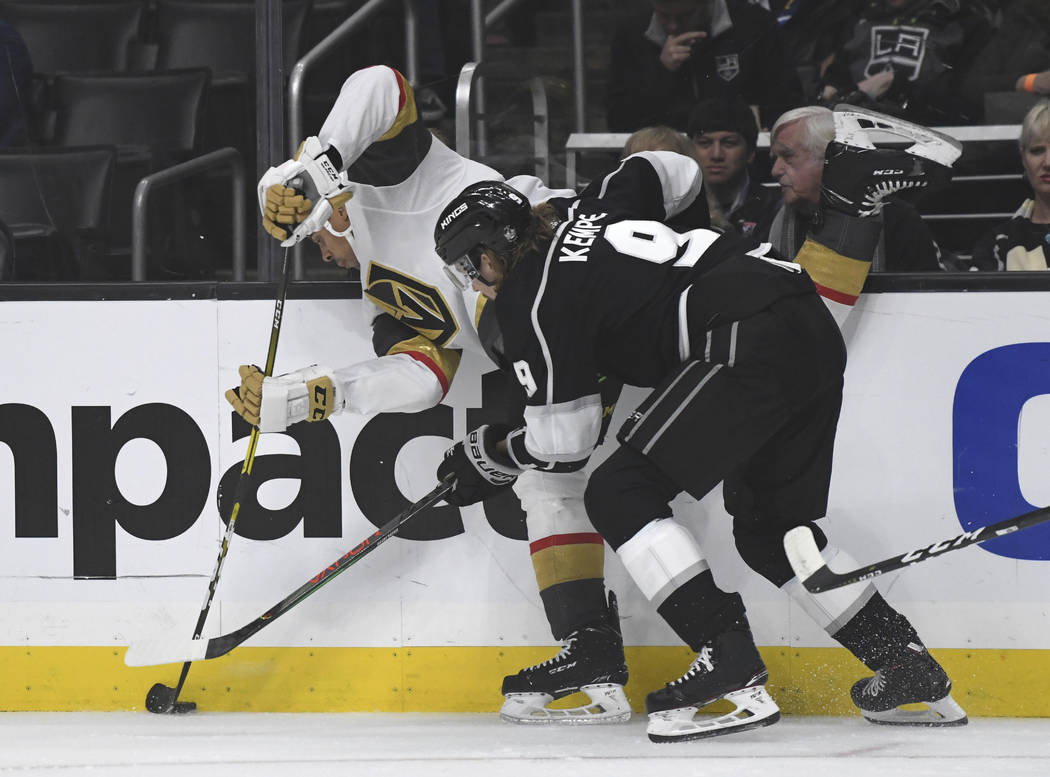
{"x":747,"y":367}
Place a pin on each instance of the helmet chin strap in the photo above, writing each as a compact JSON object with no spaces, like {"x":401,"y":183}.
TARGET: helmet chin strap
{"x":339,"y":232}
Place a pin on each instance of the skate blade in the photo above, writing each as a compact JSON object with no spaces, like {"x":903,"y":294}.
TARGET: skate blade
{"x":754,"y":709}
{"x":943,"y":712}
{"x":608,"y":705}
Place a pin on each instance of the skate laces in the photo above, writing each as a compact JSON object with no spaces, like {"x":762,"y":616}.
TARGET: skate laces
{"x":562,"y":655}
{"x":704,"y":661}
{"x":875,"y":685}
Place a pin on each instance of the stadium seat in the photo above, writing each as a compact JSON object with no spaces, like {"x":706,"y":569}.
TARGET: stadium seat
{"x":156,"y":111}
{"x":154,"y":120}
{"x":220,"y":34}
{"x":76,"y":35}
{"x":56,"y":203}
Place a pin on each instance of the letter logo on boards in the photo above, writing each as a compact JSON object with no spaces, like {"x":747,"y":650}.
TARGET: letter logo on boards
{"x":999,"y":400}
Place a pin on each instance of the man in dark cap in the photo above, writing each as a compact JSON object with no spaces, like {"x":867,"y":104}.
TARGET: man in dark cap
{"x":725,"y":133}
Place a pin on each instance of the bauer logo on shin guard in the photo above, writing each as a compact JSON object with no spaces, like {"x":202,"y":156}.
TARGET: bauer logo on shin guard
{"x":320,"y":391}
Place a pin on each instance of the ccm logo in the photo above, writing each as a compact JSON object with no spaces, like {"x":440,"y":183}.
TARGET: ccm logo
{"x":887,"y":172}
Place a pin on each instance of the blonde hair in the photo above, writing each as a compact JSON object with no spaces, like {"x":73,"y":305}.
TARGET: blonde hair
{"x":658,"y":138}
{"x":1036,"y":125}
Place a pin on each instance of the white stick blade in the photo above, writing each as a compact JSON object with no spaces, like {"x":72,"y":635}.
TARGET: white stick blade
{"x":152,"y":652}
{"x":802,"y":552}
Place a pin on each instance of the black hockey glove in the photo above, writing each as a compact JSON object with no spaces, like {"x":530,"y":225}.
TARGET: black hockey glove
{"x":857,"y":181}
{"x":477,"y":469}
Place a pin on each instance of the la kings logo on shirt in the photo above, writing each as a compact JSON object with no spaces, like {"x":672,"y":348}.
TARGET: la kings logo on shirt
{"x":901,"y":47}
{"x":727,"y":66}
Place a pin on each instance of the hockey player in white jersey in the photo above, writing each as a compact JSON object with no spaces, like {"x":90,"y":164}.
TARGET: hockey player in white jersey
{"x":379,"y":180}
{"x":747,"y":363}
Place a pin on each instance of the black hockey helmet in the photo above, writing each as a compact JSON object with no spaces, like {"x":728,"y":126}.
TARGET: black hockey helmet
{"x":488,"y":214}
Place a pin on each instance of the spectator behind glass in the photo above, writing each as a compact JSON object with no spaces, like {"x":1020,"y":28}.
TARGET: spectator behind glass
{"x":686,"y":50}
{"x":798,"y":141}
{"x":908,"y":58}
{"x":1023,"y":242}
{"x":725,"y":134}
{"x":16,"y":70}
{"x":1018,"y":56}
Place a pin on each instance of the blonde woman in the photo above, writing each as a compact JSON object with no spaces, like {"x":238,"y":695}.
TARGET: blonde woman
{"x":1023,"y":242}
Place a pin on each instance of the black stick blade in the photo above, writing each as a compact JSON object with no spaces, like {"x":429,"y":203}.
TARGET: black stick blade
{"x":162,"y":700}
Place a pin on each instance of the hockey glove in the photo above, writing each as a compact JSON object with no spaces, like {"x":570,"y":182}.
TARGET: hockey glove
{"x":274,"y":404}
{"x":857,"y":181}
{"x":476,"y":467}
{"x":284,"y":206}
{"x":319,"y":169}
{"x":859,"y":177}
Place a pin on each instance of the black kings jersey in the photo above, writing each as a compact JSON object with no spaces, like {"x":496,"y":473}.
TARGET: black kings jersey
{"x":607,"y":297}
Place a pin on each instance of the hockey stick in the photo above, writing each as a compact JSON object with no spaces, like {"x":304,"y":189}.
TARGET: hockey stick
{"x":816,"y":576}
{"x":165,"y":651}
{"x":162,"y":698}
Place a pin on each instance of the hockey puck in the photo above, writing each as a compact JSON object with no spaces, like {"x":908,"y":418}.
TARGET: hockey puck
{"x":161,"y":700}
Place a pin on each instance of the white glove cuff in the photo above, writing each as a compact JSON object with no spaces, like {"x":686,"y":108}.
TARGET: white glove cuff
{"x":309,"y":394}
{"x":484,"y":462}
{"x":326,"y":177}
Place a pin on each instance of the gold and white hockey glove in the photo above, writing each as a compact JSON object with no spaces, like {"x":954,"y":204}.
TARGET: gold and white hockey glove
{"x":274,"y":404}
{"x":321,"y":166}
{"x":284,"y":208}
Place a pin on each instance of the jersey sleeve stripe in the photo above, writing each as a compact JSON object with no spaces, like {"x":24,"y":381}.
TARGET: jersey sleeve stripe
{"x":443,"y":362}
{"x":397,"y":153}
{"x":406,"y":108}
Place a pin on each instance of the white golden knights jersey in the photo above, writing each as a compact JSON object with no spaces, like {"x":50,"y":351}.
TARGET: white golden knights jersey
{"x":402,"y":177}
{"x":619,"y":293}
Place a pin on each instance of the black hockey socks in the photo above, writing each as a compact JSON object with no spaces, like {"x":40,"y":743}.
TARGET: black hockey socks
{"x":878,"y":634}
{"x":699,"y":610}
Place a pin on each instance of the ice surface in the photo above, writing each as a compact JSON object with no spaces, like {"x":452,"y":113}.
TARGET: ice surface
{"x":431,"y":745}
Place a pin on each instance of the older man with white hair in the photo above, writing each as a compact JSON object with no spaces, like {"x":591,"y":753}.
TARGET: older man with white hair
{"x":903,"y":242}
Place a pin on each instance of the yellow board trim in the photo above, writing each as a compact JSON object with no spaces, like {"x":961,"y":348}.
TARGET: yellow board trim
{"x":804,"y":681}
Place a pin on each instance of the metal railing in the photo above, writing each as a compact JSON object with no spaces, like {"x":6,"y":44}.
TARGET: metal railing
{"x":479,"y":22}
{"x":581,"y":142}
{"x":468,"y":76}
{"x":352,"y":24}
{"x":223,"y":157}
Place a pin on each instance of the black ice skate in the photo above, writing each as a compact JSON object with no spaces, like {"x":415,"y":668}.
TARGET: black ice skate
{"x":912,"y":679}
{"x":729,"y":667}
{"x":590,"y":661}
